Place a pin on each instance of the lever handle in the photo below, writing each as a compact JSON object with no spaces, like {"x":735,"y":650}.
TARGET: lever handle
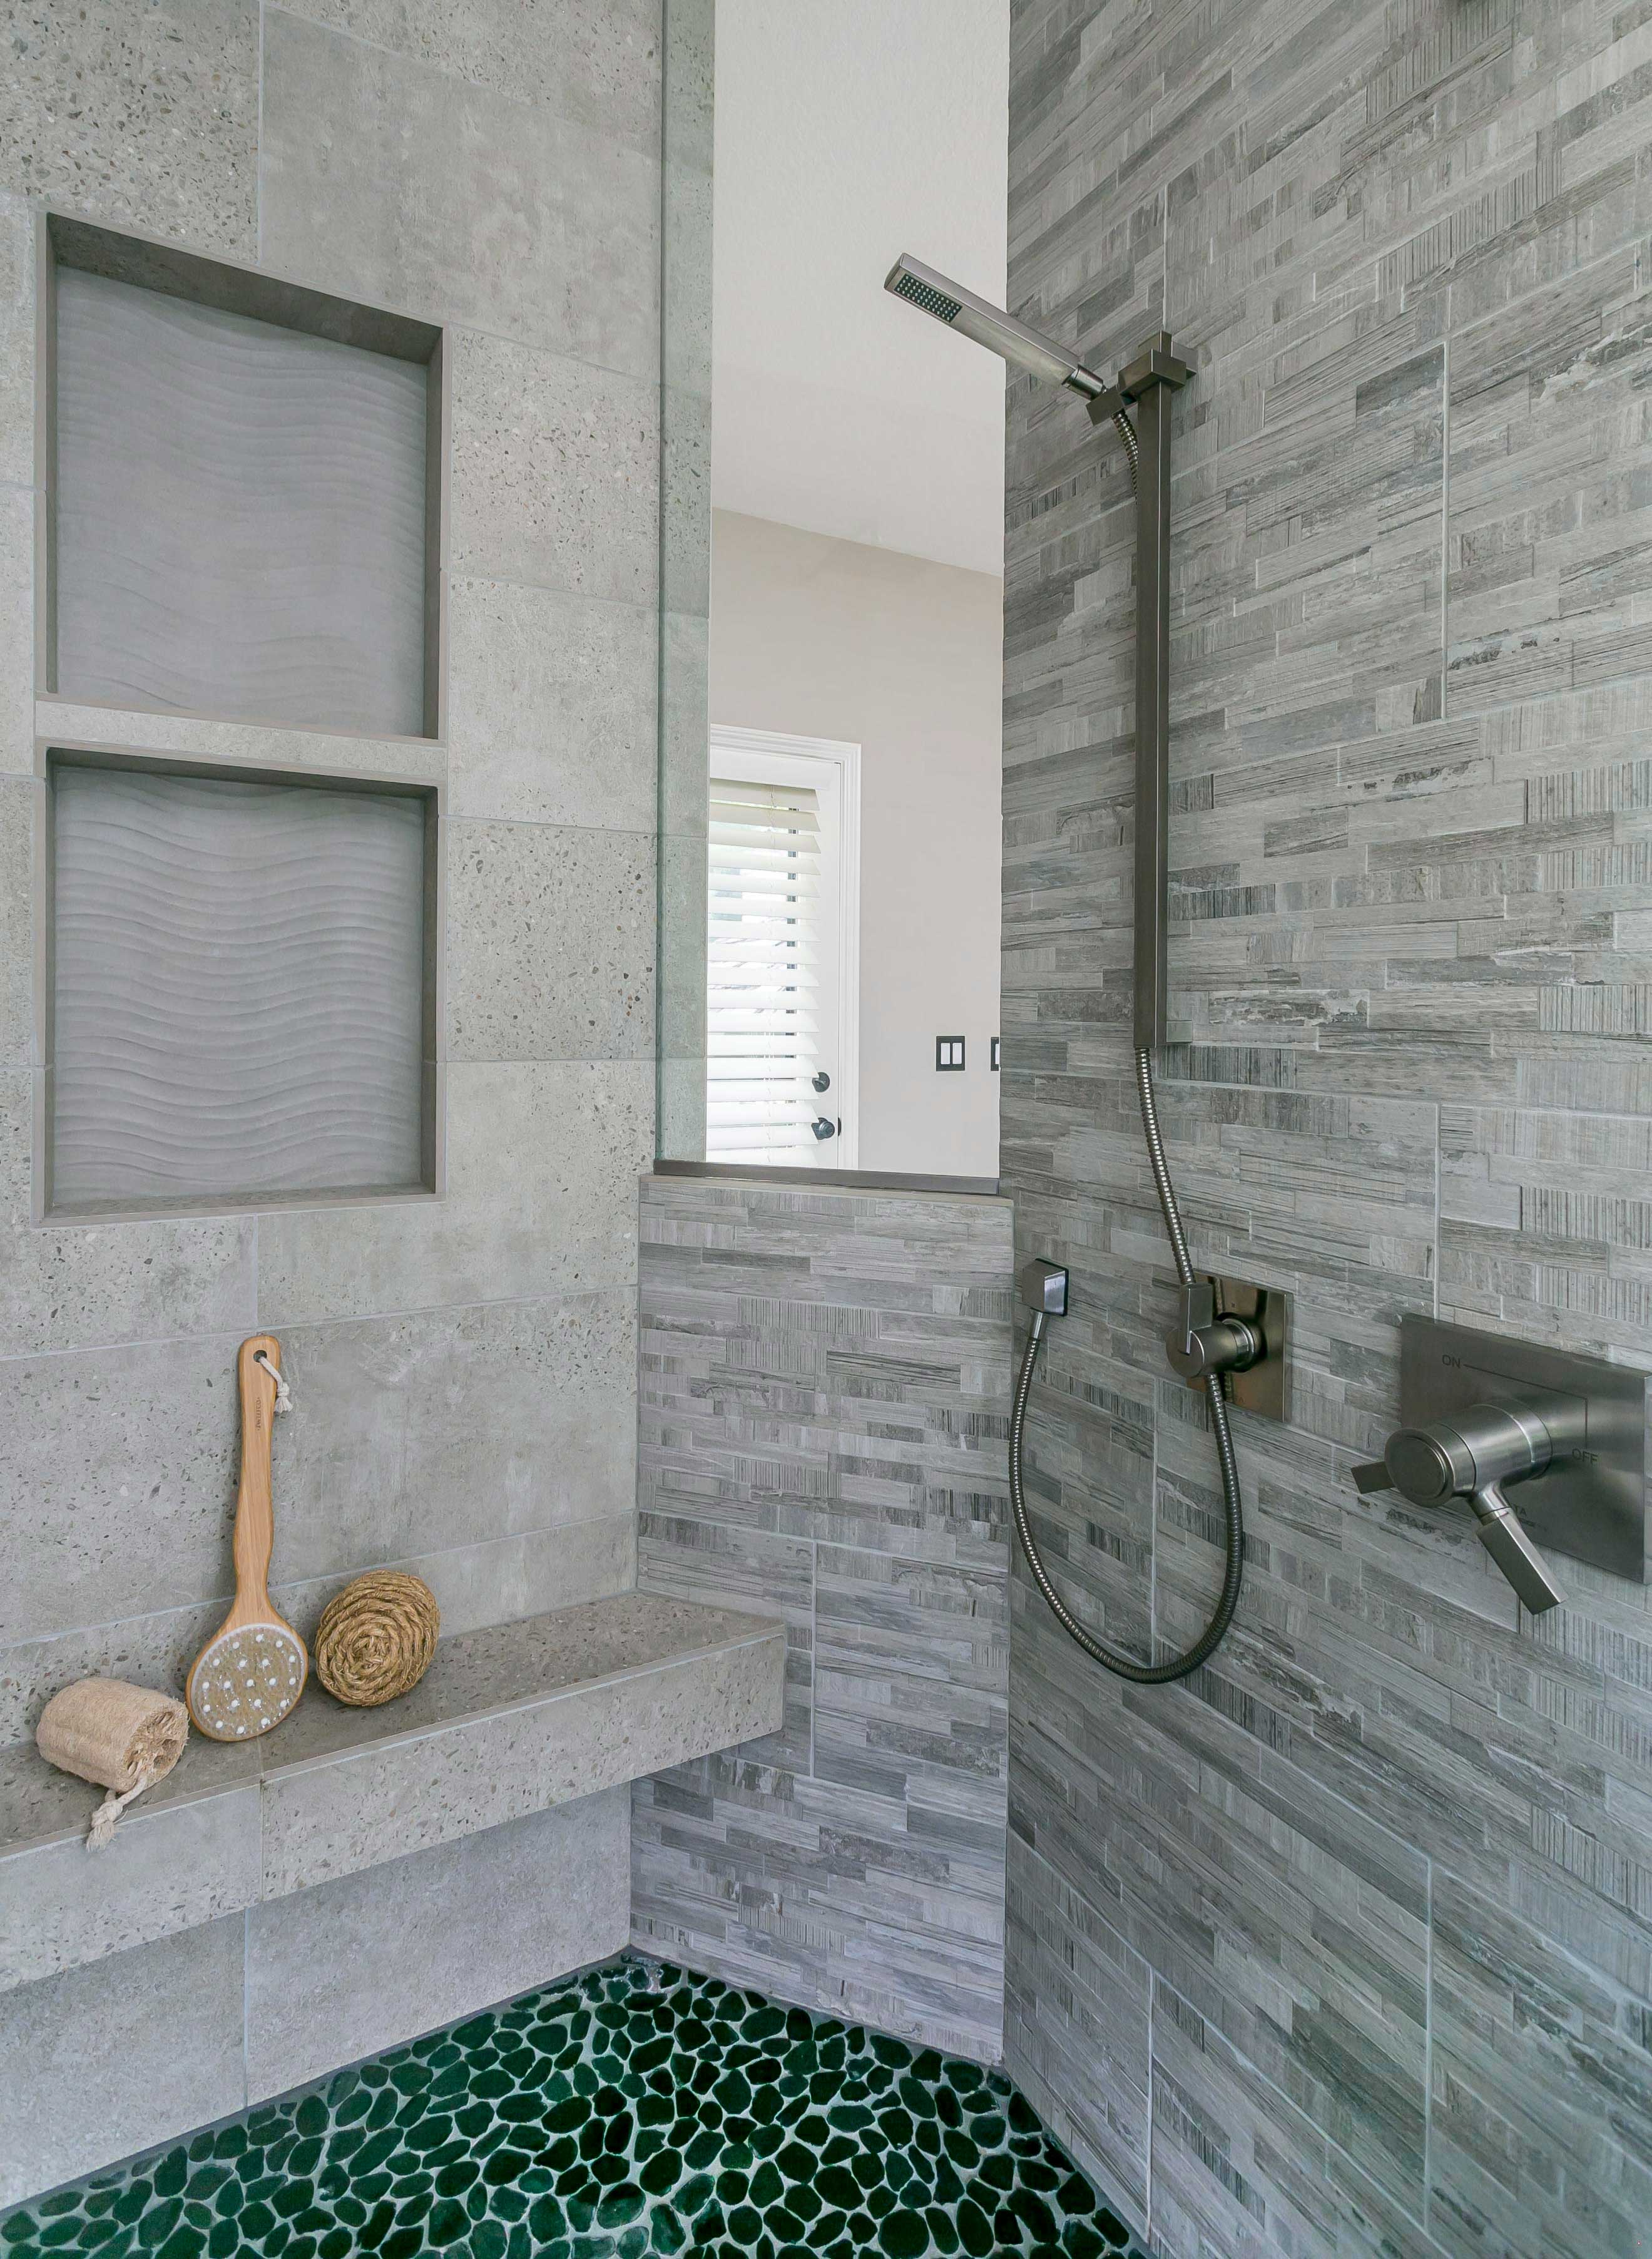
{"x":1513,"y":1550}
{"x":1471,"y":1456}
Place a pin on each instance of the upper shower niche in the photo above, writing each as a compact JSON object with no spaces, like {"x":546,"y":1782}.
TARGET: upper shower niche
{"x":244,"y":490}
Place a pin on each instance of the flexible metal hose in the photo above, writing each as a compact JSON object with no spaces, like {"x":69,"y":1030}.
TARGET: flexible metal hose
{"x":1112,"y":1658}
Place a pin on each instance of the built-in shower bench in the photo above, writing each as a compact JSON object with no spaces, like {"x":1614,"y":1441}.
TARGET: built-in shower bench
{"x":506,"y":1722}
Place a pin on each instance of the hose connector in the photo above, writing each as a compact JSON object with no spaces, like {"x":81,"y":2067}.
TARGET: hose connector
{"x":1043,"y":1287}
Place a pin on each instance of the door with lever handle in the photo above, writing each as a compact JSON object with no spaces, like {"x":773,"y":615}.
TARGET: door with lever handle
{"x":1471,"y":1456}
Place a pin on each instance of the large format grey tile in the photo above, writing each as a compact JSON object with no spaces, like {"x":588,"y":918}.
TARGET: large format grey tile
{"x":18,"y":801}
{"x":550,"y":707}
{"x":456,"y":1442}
{"x":120,"y":2055}
{"x":118,"y":1482}
{"x":550,"y":942}
{"x":339,"y":1803}
{"x":426,"y":1939}
{"x":497,"y":1580}
{"x":153,"y":1650}
{"x":172,"y":1867}
{"x":555,"y":472}
{"x":66,"y":1287}
{"x":491,"y":1581}
{"x":17,"y":340}
{"x":542,"y":1167}
{"x":146,"y":116}
{"x":16,"y":631}
{"x":423,"y":1434}
{"x":387,"y":180}
{"x":594,"y":61}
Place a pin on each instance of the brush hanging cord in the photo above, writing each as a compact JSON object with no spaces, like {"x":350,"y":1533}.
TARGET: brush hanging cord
{"x":1112,"y":1658}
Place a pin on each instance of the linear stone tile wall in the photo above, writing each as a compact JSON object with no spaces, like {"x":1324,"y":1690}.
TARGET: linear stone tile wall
{"x":1345,"y":1947}
{"x":464,"y":1368}
{"x":824,"y":1397}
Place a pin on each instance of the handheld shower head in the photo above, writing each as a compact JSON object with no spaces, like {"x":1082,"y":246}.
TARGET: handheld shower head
{"x":948,"y":302}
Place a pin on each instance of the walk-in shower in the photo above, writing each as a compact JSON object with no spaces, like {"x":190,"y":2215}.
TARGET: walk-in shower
{"x":1204,"y":1345}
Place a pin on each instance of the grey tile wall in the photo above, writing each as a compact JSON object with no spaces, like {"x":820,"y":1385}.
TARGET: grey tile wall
{"x":685,"y":409}
{"x":1344,"y":1946}
{"x":825,"y":1398}
{"x":100,"y":2061}
{"x":463,"y":1367}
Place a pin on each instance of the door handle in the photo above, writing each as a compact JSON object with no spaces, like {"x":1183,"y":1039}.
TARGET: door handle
{"x":823,"y":1127}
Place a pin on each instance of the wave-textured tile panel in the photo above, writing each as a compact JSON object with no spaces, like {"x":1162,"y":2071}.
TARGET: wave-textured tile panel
{"x":237,"y":988}
{"x":240,"y":514}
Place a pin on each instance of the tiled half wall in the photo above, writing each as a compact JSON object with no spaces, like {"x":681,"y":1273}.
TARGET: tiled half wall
{"x":1344,"y":1947}
{"x":825,"y":1398}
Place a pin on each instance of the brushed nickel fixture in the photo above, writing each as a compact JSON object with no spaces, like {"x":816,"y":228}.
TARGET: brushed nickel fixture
{"x":1568,"y":1431}
{"x":1231,"y":1327}
{"x":1144,"y":385}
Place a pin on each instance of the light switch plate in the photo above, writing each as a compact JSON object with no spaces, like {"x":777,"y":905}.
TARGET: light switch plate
{"x":1590,"y":1501}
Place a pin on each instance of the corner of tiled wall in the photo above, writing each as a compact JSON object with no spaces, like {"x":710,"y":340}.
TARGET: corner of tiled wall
{"x":1345,"y":1945}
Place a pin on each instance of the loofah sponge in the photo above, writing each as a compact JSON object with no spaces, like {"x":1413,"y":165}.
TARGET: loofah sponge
{"x":375,"y":1639}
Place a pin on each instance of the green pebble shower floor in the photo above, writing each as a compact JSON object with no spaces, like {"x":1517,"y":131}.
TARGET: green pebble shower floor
{"x":606,"y":2118}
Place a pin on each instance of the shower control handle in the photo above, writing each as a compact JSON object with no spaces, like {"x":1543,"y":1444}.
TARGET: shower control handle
{"x":1202,"y":1346}
{"x":1472,"y":1455}
{"x":1513,"y":1550}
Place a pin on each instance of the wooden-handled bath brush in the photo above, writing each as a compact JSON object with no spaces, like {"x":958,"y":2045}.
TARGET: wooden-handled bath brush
{"x":252,"y":1671}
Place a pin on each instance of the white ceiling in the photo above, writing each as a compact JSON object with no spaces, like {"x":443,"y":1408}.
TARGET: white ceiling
{"x":847,"y":131}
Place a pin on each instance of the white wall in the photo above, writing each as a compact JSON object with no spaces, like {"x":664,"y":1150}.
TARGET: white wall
{"x":827,"y":638}
{"x":847,"y":131}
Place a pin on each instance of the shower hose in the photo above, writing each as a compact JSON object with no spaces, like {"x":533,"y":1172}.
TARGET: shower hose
{"x":1112,"y":1658}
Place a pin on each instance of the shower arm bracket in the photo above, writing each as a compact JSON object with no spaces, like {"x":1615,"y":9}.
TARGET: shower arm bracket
{"x":1144,"y":385}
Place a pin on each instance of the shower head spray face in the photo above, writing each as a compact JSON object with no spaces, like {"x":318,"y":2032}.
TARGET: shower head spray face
{"x":948,"y":302}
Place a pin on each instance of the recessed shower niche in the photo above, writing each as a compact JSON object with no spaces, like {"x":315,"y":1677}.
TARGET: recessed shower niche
{"x":243,"y":487}
{"x":241,"y":996}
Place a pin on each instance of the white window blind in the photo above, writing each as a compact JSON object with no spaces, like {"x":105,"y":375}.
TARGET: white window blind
{"x":769,"y":947}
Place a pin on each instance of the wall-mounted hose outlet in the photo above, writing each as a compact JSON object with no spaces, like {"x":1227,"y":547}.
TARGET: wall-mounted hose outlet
{"x":1229,"y":1327}
{"x":1043,"y":1287}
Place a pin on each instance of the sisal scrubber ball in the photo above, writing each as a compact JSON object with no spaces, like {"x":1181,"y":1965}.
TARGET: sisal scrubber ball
{"x":375,"y":1639}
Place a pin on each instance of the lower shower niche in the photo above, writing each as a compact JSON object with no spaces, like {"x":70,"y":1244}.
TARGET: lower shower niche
{"x":240,"y":1003}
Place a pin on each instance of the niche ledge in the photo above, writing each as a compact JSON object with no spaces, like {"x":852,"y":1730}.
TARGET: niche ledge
{"x":506,"y":1722}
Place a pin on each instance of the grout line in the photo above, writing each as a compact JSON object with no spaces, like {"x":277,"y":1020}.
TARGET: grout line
{"x":258,"y":151}
{"x":640,"y":144}
{"x":297,"y":1585}
{"x":1445,"y":521}
{"x":1152,"y":1989}
{"x":1438,"y":1110}
{"x":626,"y":1287}
{"x":814,"y":1646}
{"x":246,"y":1967}
{"x":1428,"y":2051}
